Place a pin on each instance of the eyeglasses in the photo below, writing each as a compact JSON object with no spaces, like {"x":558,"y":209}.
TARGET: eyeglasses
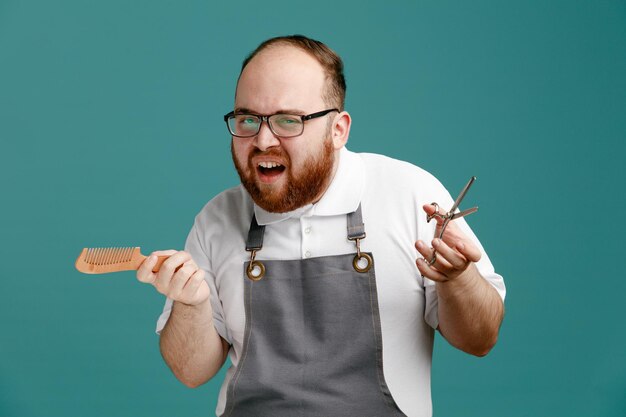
{"x":281,"y":125}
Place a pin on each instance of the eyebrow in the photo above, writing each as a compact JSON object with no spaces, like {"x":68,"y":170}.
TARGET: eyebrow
{"x":243,"y":110}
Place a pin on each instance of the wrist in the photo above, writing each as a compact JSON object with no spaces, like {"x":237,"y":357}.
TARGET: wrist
{"x":202,"y":308}
{"x":465,"y":282}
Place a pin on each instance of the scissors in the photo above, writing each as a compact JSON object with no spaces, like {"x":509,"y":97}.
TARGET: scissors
{"x":450,"y":215}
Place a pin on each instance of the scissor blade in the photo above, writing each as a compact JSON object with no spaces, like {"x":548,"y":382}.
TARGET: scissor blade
{"x":462,"y":195}
{"x":464,"y":213}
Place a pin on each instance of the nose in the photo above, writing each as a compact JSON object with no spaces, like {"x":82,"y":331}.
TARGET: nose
{"x":265,"y":139}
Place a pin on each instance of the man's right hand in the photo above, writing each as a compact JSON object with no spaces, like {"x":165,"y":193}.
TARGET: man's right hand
{"x":179,"y":278}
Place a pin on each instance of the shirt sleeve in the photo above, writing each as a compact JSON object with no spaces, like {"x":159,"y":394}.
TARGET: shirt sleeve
{"x":194,"y":245}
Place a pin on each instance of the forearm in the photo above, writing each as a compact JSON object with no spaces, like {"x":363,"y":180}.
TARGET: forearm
{"x":190,"y":345}
{"x":470,"y":312}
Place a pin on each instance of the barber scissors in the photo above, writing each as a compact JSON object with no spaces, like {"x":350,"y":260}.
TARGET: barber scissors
{"x":450,"y":215}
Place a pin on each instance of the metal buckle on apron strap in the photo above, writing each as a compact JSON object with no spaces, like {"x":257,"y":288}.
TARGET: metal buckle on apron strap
{"x":256,"y":269}
{"x":356,"y":232}
{"x":359,"y":256}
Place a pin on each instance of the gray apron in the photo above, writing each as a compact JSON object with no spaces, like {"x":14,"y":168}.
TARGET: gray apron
{"x":312,"y":344}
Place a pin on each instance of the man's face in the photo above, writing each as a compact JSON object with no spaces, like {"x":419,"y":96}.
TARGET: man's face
{"x":284,"y":174}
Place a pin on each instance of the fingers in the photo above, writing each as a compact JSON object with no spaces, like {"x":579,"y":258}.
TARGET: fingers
{"x":185,"y":284}
{"x":196,"y":290}
{"x":452,"y":258}
{"x":178,"y":278}
{"x":164,"y":281}
{"x":175,"y":261}
{"x":429,"y":271}
{"x":428,"y":253}
{"x":438,"y":270}
{"x":173,"y":283}
{"x":144,"y":272}
{"x":450,"y":262}
{"x":431,"y":209}
{"x":469,"y":250}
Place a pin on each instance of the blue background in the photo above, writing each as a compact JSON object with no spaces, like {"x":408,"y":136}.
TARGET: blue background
{"x":111,"y":135}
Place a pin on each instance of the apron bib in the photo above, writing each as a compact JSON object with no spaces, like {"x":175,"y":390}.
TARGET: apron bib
{"x":312,"y":344}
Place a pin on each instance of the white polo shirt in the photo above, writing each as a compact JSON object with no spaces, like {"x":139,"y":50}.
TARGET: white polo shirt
{"x":391,"y":194}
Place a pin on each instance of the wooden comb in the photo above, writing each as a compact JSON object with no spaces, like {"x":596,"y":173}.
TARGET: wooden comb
{"x":103,"y":260}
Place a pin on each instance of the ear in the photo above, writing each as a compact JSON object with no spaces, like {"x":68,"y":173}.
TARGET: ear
{"x":341,"y":129}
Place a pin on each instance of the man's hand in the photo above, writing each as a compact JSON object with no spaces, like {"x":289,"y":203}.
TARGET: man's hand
{"x":456,"y":254}
{"x":179,"y":278}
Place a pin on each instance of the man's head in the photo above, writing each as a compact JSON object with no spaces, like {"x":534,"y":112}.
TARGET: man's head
{"x":334,"y":93}
{"x":300,"y":76}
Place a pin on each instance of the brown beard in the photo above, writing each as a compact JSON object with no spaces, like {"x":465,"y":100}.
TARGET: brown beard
{"x":300,"y":190}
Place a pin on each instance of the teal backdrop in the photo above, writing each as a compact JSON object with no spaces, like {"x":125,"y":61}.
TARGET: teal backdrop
{"x":111,"y":134}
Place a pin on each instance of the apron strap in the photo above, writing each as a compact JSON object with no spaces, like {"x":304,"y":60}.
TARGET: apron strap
{"x":255,"y":236}
{"x":356,"y":228}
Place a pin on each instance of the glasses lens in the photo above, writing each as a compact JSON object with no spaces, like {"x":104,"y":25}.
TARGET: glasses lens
{"x":244,"y":124}
{"x":286,"y":125}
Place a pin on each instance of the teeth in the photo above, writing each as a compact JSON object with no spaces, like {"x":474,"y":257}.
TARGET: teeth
{"x":269,"y":164}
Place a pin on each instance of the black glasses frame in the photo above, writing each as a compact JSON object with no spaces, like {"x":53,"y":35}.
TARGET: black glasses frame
{"x":265,"y":118}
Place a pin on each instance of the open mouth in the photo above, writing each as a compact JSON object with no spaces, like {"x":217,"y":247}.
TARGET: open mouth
{"x":269,"y":171}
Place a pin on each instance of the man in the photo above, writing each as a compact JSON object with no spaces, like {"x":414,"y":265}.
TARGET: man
{"x":308,"y":269}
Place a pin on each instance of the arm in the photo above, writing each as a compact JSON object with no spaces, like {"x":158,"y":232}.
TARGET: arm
{"x":470,"y":309}
{"x":191,"y":346}
{"x":189,"y":343}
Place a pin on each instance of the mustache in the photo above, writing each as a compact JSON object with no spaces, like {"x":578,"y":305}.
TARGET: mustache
{"x":270,"y":152}
{"x":277,"y":153}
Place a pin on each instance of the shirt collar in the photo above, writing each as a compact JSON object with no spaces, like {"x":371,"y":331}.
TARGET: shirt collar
{"x":342,"y":196}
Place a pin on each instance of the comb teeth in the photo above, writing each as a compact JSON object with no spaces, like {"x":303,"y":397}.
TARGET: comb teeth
{"x":108,"y":256}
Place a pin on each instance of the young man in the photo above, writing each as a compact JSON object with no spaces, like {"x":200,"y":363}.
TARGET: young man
{"x":306,"y":273}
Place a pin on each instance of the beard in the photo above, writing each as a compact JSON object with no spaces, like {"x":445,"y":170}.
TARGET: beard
{"x":299,"y":189}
